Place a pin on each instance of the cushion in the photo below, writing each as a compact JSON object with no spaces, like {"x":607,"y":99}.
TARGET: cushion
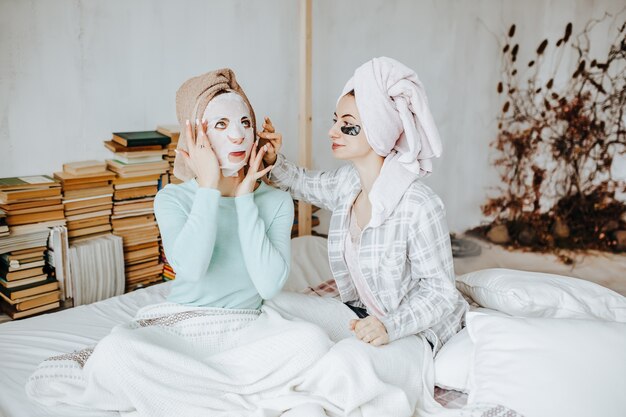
{"x":452,"y":362}
{"x":544,"y":367}
{"x":534,"y":294}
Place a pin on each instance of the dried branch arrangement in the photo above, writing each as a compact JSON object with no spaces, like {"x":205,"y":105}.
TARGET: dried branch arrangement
{"x":555,"y":147}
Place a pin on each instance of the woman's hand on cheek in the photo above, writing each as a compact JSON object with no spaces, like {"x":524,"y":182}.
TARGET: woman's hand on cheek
{"x":200,"y":155}
{"x":254,"y":164}
{"x":370,"y":330}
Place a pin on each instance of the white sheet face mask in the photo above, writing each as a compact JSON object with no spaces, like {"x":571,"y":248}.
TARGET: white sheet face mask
{"x":230,"y":131}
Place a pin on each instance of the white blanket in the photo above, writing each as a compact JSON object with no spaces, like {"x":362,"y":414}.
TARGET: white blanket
{"x":294,"y":358}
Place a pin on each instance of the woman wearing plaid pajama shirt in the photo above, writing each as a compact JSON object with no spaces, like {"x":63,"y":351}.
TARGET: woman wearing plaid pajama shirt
{"x":388,"y":242}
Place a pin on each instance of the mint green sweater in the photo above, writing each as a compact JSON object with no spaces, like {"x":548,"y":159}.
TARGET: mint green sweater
{"x":229,"y":252}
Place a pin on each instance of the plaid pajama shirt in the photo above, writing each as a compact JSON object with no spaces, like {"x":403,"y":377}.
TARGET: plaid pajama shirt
{"x":406,"y":261}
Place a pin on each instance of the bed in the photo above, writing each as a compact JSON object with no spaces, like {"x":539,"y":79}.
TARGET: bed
{"x":24,"y":344}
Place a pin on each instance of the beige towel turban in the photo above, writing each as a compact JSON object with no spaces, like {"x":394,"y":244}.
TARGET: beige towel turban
{"x":191,"y":100}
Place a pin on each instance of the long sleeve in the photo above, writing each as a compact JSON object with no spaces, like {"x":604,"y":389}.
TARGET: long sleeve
{"x":188,"y":238}
{"x":322,"y":188}
{"x":434,"y":295}
{"x":267,"y":255}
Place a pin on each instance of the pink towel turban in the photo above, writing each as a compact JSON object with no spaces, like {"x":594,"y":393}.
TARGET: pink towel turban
{"x":395,"y":114}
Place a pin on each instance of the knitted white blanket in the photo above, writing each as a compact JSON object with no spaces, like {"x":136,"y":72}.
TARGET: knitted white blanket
{"x":296,"y":357}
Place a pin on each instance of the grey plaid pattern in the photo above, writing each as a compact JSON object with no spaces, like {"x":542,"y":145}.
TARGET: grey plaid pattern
{"x":406,"y":261}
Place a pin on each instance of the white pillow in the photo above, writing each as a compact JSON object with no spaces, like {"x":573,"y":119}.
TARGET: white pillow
{"x":452,"y":363}
{"x":534,"y":294}
{"x":549,"y":367}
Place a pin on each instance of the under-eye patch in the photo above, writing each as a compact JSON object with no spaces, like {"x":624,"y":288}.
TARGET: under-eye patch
{"x":351,"y":130}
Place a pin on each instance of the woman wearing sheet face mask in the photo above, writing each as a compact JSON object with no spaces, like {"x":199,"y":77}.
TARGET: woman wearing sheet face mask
{"x":225,"y":233}
{"x":388,"y":243}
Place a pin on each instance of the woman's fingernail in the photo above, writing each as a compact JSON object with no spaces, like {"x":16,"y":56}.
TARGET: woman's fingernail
{"x":197,"y":122}
{"x":187,"y":122}
{"x":176,"y":150}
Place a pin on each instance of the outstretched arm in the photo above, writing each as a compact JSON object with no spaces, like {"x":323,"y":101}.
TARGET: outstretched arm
{"x":322,"y":188}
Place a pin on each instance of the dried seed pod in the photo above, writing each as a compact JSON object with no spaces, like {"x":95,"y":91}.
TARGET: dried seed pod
{"x":542,"y":47}
{"x":550,"y":83}
{"x":506,"y":48}
{"x":511,"y":31}
{"x":568,"y":32}
{"x":531,"y":63}
{"x":500,"y":87}
{"x":505,"y":108}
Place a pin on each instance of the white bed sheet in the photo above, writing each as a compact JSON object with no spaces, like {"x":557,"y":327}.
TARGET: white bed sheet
{"x":25,"y":343}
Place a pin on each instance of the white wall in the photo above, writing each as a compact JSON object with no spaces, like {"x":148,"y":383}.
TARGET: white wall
{"x":71,"y":72}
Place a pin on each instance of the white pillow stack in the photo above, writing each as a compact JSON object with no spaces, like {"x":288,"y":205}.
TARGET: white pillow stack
{"x":534,"y":294}
{"x":549,"y":367}
{"x":563,"y":354}
{"x":452,"y":363}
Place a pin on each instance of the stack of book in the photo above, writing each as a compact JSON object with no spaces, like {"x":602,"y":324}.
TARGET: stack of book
{"x":27,"y":284}
{"x":4,"y":228}
{"x":87,"y":198}
{"x":168,"y":271}
{"x":139,"y":165}
{"x":138,"y":153}
{"x":31,"y":203}
{"x":173,"y":131}
{"x":26,"y":288}
{"x":15,"y":242}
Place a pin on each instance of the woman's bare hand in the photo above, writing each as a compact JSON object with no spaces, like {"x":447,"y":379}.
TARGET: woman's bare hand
{"x":200,"y":155}
{"x":370,"y":330}
{"x":254,"y":164}
{"x":272,"y":140}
